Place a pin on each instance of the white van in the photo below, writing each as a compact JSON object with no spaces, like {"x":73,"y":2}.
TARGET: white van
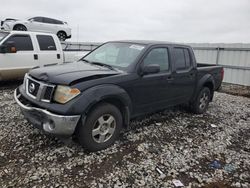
{"x":22,"y":50}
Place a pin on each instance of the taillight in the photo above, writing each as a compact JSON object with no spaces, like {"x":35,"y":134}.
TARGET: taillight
{"x":222,"y":73}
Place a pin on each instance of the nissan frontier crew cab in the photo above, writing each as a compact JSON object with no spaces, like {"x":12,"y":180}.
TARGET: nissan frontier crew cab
{"x":97,"y":96}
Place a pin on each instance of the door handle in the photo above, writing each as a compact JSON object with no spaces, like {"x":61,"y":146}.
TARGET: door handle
{"x":191,"y":75}
{"x":170,"y":78}
{"x":35,"y":57}
{"x":58,"y":56}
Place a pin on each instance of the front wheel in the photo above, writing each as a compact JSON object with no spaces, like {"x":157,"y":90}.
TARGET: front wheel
{"x":102,"y":127}
{"x":201,"y":103}
{"x":20,"y":28}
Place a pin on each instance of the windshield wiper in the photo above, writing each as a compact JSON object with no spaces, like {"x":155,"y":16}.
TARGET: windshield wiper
{"x":87,"y":61}
{"x":98,"y":63}
{"x":102,"y":64}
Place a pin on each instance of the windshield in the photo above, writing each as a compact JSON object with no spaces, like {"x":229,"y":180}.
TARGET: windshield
{"x":115,"y":54}
{"x":3,"y":35}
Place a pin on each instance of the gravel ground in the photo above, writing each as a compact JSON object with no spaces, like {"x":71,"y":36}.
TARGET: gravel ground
{"x":182,"y":145}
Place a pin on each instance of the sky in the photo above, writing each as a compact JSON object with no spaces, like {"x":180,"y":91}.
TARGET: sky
{"x":206,"y":21}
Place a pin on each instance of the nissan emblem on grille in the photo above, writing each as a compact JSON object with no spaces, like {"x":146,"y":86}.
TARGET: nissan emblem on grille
{"x":38,"y":90}
{"x":31,"y":87}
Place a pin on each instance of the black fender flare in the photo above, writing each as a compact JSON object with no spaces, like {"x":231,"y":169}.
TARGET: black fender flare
{"x":99,"y":93}
{"x":206,"y":79}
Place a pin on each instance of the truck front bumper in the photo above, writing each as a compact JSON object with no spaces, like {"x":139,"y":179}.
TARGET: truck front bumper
{"x":45,"y":120}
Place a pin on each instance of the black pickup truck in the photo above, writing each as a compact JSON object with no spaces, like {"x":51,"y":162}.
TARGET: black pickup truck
{"x":97,"y":96}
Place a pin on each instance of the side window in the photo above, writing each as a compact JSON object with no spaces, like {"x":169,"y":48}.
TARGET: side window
{"x":37,"y":19}
{"x":182,"y":59}
{"x":158,"y":56}
{"x":22,"y":42}
{"x":47,"y":20}
{"x":187,"y":58}
{"x":50,"y":21}
{"x":57,"y":22}
{"x":46,"y":43}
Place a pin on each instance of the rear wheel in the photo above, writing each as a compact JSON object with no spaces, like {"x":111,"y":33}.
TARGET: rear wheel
{"x":20,"y":28}
{"x":202,"y":101}
{"x":102,"y":127}
{"x":61,"y":35}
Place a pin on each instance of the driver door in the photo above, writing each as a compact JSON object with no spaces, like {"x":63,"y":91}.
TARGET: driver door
{"x":36,"y":24}
{"x":151,"y":92}
{"x":15,"y":65}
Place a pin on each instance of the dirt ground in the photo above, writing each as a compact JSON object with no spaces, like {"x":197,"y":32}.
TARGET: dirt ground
{"x":237,"y":90}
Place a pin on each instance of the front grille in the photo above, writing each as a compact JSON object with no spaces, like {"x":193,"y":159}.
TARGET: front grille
{"x":48,"y":93}
{"x":38,"y":90}
{"x":33,"y":87}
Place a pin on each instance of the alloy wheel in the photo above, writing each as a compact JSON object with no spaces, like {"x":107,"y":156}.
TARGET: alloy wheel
{"x":104,"y":128}
{"x":203,"y":101}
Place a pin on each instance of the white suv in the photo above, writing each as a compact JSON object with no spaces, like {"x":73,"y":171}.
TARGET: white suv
{"x":39,"y":24}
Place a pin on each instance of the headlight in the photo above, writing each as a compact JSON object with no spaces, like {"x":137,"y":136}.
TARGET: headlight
{"x":64,"y":94}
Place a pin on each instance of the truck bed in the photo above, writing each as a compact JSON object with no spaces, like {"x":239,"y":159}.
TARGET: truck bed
{"x":215,"y":70}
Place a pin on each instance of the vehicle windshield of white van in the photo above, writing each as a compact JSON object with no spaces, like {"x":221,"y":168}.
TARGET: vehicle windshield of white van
{"x":115,"y":54}
{"x":3,"y":35}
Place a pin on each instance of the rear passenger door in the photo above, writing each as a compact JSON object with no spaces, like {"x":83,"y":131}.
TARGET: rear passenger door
{"x":49,"y":51}
{"x":184,"y":75}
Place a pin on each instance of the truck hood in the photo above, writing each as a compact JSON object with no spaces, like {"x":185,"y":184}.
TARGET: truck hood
{"x":71,"y":73}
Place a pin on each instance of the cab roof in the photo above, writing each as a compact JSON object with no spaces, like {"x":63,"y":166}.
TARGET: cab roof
{"x":151,"y":42}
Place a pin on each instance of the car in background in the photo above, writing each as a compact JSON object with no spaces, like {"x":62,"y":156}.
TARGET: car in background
{"x":39,"y":24}
{"x":21,"y":51}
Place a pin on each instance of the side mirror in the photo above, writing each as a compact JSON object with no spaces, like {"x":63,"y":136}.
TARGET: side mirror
{"x":151,"y":69}
{"x":8,"y":47}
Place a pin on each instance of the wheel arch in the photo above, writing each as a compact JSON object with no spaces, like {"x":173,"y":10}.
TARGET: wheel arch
{"x":206,"y":81}
{"x":62,"y":32}
{"x":19,"y":24}
{"x":121,"y":106}
{"x":210,"y":85}
{"x":106,"y":93}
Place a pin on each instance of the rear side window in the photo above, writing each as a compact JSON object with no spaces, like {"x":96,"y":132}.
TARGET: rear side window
{"x":57,"y":22}
{"x":22,"y":42}
{"x":52,"y":21}
{"x":158,"y":56}
{"x":187,"y":58}
{"x":48,"y":20}
{"x":182,"y":59}
{"x":46,"y":43}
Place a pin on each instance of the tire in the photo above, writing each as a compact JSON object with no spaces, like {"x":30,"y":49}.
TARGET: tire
{"x":61,"y":35}
{"x":102,"y":128}
{"x":20,"y":28}
{"x":202,"y":101}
